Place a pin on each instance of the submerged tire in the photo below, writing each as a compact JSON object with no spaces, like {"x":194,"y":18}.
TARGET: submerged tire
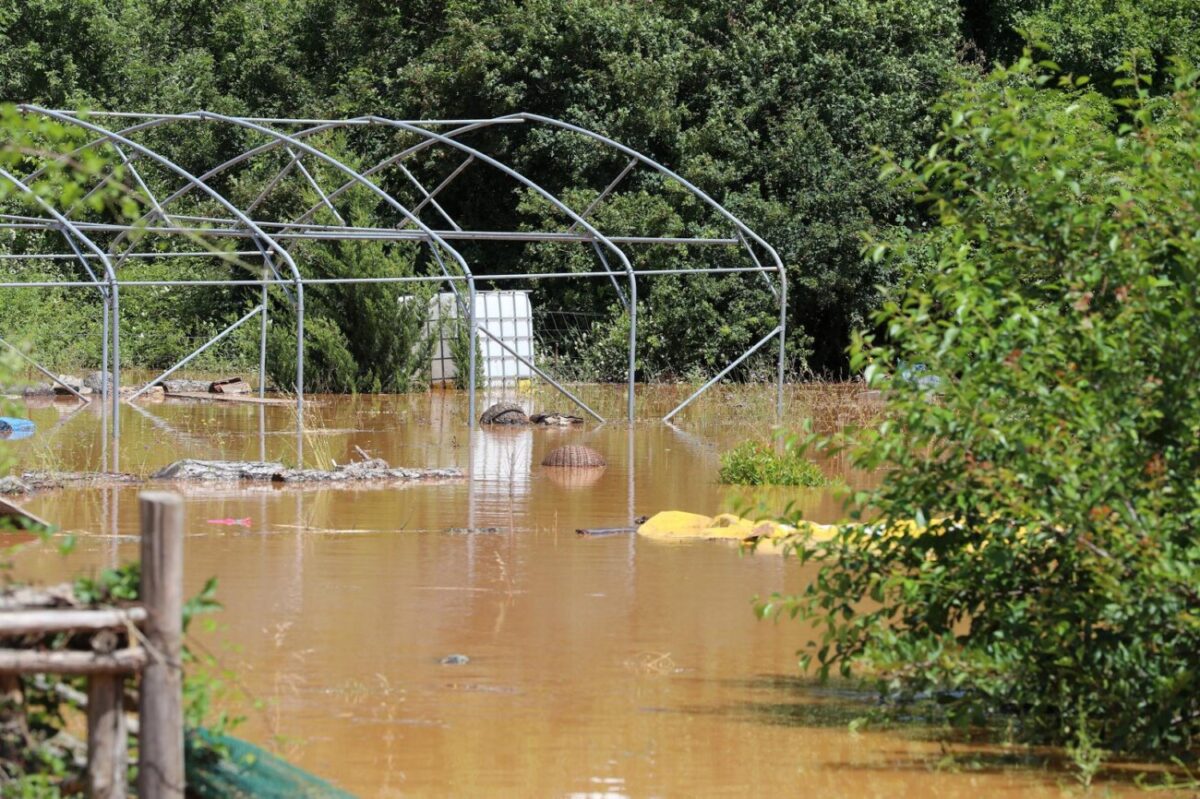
{"x":575,"y":457}
{"x":504,"y":413}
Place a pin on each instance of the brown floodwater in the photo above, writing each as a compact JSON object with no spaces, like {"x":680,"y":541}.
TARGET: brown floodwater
{"x":603,"y":666}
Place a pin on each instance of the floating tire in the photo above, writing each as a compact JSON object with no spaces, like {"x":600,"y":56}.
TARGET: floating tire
{"x":504,"y":413}
{"x":575,"y":457}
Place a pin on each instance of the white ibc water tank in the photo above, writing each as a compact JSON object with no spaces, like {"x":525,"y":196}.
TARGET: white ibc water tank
{"x":507,"y":315}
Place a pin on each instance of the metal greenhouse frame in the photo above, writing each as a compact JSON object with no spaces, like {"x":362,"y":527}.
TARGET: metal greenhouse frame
{"x":108,"y":245}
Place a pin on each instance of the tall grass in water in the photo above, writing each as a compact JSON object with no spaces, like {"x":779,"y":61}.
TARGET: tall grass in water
{"x":756,"y":463}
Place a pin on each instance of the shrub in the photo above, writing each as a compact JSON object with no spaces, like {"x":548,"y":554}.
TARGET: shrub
{"x":755,"y":463}
{"x":1052,"y":575}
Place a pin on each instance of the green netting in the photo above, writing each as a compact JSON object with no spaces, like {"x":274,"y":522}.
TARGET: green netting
{"x":220,"y":767}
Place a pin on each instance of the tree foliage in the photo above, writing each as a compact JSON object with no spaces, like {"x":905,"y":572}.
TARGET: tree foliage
{"x":1051,"y":574}
{"x":775,"y":107}
{"x":1089,"y":37}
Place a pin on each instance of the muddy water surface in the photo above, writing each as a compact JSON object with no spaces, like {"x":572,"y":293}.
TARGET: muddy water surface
{"x":603,"y":666}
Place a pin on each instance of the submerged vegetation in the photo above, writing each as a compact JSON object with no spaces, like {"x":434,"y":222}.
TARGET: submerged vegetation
{"x":754,"y":463}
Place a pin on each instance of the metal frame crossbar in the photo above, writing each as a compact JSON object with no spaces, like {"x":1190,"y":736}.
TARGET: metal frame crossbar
{"x":295,"y":141}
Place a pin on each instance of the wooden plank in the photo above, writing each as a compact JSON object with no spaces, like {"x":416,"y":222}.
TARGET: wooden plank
{"x":248,"y":400}
{"x":603,"y":531}
{"x":8,"y":510}
{"x":24,"y":622}
{"x":32,"y":661}
{"x":160,"y":743}
{"x":108,"y":744}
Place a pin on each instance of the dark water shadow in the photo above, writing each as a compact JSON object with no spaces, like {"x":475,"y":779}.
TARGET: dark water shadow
{"x":803,"y":702}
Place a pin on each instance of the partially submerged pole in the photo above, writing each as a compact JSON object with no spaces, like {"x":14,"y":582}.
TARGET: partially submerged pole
{"x":160,"y":738}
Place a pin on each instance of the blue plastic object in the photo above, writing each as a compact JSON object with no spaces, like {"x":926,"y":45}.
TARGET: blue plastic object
{"x":13,"y":429}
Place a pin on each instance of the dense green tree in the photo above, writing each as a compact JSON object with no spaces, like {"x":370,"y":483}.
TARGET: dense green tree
{"x":775,"y":107}
{"x":1034,"y":552}
{"x":1088,"y":37}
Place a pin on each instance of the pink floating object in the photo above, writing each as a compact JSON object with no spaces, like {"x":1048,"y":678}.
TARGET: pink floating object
{"x":231,"y":522}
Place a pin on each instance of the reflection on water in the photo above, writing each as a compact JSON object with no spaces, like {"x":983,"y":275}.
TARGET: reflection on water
{"x":597,"y":666}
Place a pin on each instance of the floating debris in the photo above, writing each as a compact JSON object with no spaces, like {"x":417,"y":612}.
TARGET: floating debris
{"x":555,"y":419}
{"x":243,"y":522}
{"x":39,"y":481}
{"x":455,"y":660}
{"x":13,"y":429}
{"x":599,"y":532}
{"x":230,"y":385}
{"x":374,"y":469}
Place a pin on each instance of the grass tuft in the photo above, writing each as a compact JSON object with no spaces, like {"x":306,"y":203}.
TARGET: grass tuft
{"x":755,"y":463}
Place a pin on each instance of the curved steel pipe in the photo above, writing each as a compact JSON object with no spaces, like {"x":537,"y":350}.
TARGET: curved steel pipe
{"x":211,"y":192}
{"x":110,"y":273}
{"x":700,"y":193}
{"x":554,"y":201}
{"x":430,"y":138}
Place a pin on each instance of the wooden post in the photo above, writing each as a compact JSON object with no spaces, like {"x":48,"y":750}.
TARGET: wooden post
{"x":108,"y":764}
{"x":160,"y":737}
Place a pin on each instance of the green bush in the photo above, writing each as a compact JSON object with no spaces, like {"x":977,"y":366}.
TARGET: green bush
{"x":754,"y":463}
{"x":1052,"y":576}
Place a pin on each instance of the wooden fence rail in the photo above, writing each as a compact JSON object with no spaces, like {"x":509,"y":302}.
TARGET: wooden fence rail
{"x":154,"y":651}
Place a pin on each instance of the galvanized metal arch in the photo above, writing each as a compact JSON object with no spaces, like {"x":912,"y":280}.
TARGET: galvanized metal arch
{"x":68,"y":229}
{"x":390,"y":200}
{"x":270,"y":244}
{"x":745,"y":230}
{"x":718,"y":207}
{"x":222,"y":200}
{"x":431,"y":138}
{"x":600,"y":237}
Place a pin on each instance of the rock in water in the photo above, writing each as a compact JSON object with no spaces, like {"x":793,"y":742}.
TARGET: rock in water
{"x":504,"y":413}
{"x":75,"y":383}
{"x":186,"y":386}
{"x":208,"y":471}
{"x":575,"y":457}
{"x":95,"y":381}
{"x":455,"y":660}
{"x":13,"y":485}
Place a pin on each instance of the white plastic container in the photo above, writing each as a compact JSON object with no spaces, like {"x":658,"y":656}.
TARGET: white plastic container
{"x":507,"y":315}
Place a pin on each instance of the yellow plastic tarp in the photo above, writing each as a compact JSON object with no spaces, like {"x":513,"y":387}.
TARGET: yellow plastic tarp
{"x":769,"y":536}
{"x":677,"y":525}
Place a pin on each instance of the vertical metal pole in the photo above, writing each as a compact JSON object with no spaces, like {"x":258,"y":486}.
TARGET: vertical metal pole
{"x":104,"y":387}
{"x":160,"y":740}
{"x":631,"y":486}
{"x":632,"y":342}
{"x":631,"y":552}
{"x":262,"y":343}
{"x":471,"y":345}
{"x":116,"y":373}
{"x":300,"y":374}
{"x":104,"y":437}
{"x":782,"y":339}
